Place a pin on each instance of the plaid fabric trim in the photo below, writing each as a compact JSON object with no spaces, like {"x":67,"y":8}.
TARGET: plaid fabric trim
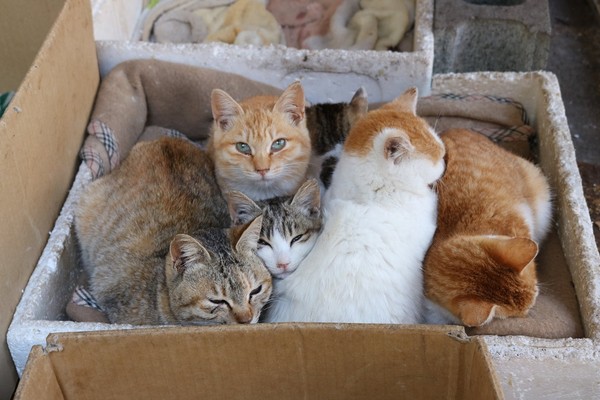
{"x":82,"y":297}
{"x":175,"y":133}
{"x":106,"y":136}
{"x":510,"y":134}
{"x":93,"y":161}
{"x":493,"y":99}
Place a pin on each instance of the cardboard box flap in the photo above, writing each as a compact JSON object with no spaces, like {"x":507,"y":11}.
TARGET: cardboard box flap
{"x":273,"y":361}
{"x":39,"y":371}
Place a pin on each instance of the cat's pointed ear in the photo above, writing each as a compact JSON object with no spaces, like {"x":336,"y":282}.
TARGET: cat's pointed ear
{"x":246,"y":236}
{"x":396,"y":148}
{"x":225,"y":109}
{"x":407,"y":101}
{"x":292,"y":103}
{"x":308,"y":198}
{"x":473,"y":312}
{"x":359,"y":103}
{"x":241,"y":208}
{"x":515,"y":252}
{"x":185,"y":251}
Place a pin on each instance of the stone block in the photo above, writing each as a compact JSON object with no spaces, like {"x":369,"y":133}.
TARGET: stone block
{"x":491,"y":35}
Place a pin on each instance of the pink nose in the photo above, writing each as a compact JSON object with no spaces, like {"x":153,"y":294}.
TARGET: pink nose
{"x":262,"y":172}
{"x":283,"y":266}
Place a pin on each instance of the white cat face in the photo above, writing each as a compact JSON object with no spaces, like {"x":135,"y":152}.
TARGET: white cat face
{"x":283,"y":253}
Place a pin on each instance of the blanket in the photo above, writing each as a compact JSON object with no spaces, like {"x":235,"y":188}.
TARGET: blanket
{"x":302,"y":24}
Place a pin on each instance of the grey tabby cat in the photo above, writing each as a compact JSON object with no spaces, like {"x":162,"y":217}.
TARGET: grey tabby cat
{"x":290,"y":225}
{"x":328,"y":125}
{"x":152,"y":242}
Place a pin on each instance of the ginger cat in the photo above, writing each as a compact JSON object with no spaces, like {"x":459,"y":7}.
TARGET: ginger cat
{"x":261,"y":146}
{"x":494,"y":209}
{"x":379,"y":219}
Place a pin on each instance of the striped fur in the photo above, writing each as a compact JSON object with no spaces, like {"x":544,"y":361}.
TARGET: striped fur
{"x":143,"y":243}
{"x":290,"y":226}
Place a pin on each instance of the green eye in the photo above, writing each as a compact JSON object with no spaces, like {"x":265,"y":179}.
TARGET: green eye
{"x":278,"y":144}
{"x":243,"y":148}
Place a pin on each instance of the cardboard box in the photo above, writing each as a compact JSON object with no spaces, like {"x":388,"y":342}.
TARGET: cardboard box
{"x":263,"y":362}
{"x":329,"y":75}
{"x":48,"y":58}
{"x":526,"y":365}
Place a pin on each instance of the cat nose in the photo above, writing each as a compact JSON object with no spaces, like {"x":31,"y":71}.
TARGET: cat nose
{"x":243,"y":317}
{"x":283,"y":266}
{"x":262,"y":172}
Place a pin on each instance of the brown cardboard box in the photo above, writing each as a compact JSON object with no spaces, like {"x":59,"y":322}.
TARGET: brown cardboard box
{"x":284,"y":361}
{"x":47,"y":52}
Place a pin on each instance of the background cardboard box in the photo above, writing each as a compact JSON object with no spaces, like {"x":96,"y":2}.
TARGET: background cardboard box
{"x":47,"y":53}
{"x":265,"y":362}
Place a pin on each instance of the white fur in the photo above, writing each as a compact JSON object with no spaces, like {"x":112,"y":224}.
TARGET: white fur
{"x":281,"y":251}
{"x":366,"y":265}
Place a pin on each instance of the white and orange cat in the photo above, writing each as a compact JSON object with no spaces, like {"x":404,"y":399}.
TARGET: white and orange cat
{"x":379,"y":219}
{"x":261,"y":146}
{"x":494,"y":209}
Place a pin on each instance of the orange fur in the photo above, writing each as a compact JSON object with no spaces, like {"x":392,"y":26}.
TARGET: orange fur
{"x":398,"y":114}
{"x":259,"y":122}
{"x":481,"y":262}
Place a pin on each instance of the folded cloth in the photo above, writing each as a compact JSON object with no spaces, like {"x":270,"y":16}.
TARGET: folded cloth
{"x":197,"y":21}
{"x":365,"y":25}
{"x":502,"y":119}
{"x":301,"y":19}
{"x":178,"y":9}
{"x":138,"y":93}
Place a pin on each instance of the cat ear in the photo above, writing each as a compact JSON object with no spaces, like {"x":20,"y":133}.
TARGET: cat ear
{"x":184,"y":251}
{"x":396,"y":148}
{"x":241,"y":208}
{"x":359,"y":103}
{"x":292,"y":103}
{"x":224,"y":109}
{"x":246,"y":237}
{"x":474,"y":312}
{"x":308,"y":198}
{"x":407,"y":101}
{"x":516,"y":252}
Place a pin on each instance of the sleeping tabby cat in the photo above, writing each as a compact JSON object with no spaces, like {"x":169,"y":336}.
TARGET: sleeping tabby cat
{"x":494,"y":209}
{"x":151,"y":242}
{"x":290,"y":225}
{"x":261,"y":146}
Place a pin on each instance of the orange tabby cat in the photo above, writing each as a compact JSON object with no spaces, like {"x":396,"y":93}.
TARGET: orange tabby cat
{"x":494,"y":209}
{"x":261,"y":146}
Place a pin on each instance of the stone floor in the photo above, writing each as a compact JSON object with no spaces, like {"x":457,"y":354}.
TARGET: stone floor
{"x":575,"y":59}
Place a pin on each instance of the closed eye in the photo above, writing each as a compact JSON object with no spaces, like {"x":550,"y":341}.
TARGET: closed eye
{"x":256,"y":291}
{"x":296,"y":238}
{"x":263,"y":242}
{"x":219,"y":302}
